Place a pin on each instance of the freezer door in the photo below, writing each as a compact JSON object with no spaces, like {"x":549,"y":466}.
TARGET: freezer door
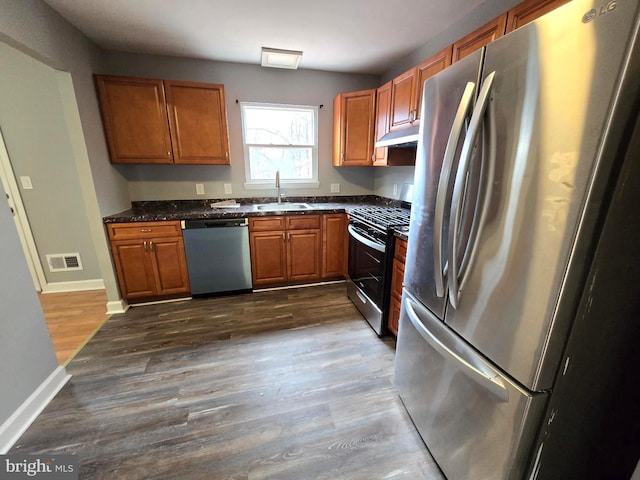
{"x":477,"y":423}
{"x":448,"y":100}
{"x":554,"y":86}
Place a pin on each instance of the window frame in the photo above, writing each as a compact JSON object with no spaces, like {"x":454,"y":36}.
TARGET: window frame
{"x":285,"y":183}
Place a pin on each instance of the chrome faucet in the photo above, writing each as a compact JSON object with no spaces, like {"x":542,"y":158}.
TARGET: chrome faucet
{"x":278,"y":185}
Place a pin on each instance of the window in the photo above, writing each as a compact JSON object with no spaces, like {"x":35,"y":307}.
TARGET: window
{"x":280,"y":137}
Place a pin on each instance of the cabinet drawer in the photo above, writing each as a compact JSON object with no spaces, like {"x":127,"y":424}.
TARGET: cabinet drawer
{"x":303,"y":222}
{"x":123,"y":231}
{"x":266,"y":224}
{"x":401,"y":250}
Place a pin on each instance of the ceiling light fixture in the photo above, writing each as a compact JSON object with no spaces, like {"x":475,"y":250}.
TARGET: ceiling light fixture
{"x":276,"y":58}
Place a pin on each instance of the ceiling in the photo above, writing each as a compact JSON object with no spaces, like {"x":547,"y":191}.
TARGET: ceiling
{"x":358,"y":36}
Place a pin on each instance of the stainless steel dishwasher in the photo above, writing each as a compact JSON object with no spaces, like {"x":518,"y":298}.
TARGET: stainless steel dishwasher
{"x":217,"y":255}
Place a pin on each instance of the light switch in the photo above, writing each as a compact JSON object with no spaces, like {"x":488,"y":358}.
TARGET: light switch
{"x":26,"y":183}
{"x":199,"y":188}
{"x":335,"y":188}
{"x":227,"y":189}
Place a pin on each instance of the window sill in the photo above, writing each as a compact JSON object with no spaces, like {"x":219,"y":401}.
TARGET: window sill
{"x":283,"y":185}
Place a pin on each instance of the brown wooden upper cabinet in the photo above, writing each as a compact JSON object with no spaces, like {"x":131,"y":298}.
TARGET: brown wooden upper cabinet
{"x":402,"y":100}
{"x":383,"y":110}
{"x":406,"y":90}
{"x":528,"y":11}
{"x":427,"y":69}
{"x":156,"y":121}
{"x":479,"y":38}
{"x":353,"y":128}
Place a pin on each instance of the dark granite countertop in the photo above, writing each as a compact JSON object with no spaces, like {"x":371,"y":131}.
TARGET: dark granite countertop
{"x":402,"y":233}
{"x":152,"y":211}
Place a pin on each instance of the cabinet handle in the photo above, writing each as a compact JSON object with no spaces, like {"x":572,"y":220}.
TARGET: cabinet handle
{"x":283,"y":238}
{"x":342,"y":157}
{"x":288,"y":237}
{"x":144,"y":245}
{"x":169,"y":154}
{"x":151,"y":246}
{"x":226,"y":155}
{"x":146,"y":230}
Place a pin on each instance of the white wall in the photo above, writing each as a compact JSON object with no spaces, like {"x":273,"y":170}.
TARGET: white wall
{"x":35,"y":29}
{"x":39,"y":146}
{"x":26,"y":354}
{"x":388,"y":177}
{"x":244,"y":83}
{"x":479,"y":17}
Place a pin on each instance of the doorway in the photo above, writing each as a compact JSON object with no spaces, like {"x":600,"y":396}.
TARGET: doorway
{"x":20,"y":217}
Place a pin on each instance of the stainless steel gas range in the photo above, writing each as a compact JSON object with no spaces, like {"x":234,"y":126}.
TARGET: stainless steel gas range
{"x":371,"y":246}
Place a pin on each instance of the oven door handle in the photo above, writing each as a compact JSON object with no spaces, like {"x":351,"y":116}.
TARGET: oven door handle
{"x":369,"y":243}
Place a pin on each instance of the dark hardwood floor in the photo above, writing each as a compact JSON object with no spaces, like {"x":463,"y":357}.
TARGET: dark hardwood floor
{"x":287,"y":384}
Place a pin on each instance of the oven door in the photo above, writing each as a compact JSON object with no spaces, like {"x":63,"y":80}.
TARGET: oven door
{"x":367,"y":275}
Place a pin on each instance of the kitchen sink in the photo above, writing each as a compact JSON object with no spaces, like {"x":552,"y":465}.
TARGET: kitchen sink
{"x":281,"y":206}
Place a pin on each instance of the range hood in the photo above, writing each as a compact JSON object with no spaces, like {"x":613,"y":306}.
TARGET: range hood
{"x":407,"y":137}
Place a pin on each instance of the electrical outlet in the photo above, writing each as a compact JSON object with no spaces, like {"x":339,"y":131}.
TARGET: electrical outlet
{"x":335,"y":188}
{"x":199,"y":188}
{"x":395,"y":189}
{"x":227,"y":189}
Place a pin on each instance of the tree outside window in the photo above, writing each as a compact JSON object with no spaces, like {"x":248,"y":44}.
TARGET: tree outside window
{"x":280,"y":137}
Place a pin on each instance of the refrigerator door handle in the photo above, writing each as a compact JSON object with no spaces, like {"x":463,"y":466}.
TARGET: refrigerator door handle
{"x":456,"y":271}
{"x":474,"y":367}
{"x":466,"y":102}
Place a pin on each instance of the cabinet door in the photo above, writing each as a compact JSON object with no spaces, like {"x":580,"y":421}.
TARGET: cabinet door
{"x":528,"y":11}
{"x":303,"y":254}
{"x":268,"y":257}
{"x":397,"y":277}
{"x":134,"y":116}
{"x":403,"y":92}
{"x":428,"y":69}
{"x":134,"y":269}
{"x":170,"y":265}
{"x":198,"y":120}
{"x":383,"y":110}
{"x":394,"y":315}
{"x":334,"y":245}
{"x":479,"y":38}
{"x":354,"y":128}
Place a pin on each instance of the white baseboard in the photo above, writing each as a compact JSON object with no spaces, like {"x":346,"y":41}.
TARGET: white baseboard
{"x":81,"y":285}
{"x":19,"y":421}
{"x":119,"y":306}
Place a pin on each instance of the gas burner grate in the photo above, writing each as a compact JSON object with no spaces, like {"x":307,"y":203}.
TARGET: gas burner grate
{"x":384,"y":217}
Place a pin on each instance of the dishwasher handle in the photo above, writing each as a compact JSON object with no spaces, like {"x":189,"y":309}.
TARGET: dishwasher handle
{"x":214,"y":223}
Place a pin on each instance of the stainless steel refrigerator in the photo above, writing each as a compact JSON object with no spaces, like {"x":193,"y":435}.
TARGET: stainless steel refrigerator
{"x":524,"y":149}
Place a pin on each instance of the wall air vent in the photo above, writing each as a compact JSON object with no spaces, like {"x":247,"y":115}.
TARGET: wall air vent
{"x":64,"y":262}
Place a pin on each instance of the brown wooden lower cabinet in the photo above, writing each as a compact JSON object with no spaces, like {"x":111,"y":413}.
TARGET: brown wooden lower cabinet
{"x":285,"y":249}
{"x":149,"y":259}
{"x":151,"y":264}
{"x":397,"y":277}
{"x":335,"y":245}
{"x":297,"y":248}
{"x":268,"y":257}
